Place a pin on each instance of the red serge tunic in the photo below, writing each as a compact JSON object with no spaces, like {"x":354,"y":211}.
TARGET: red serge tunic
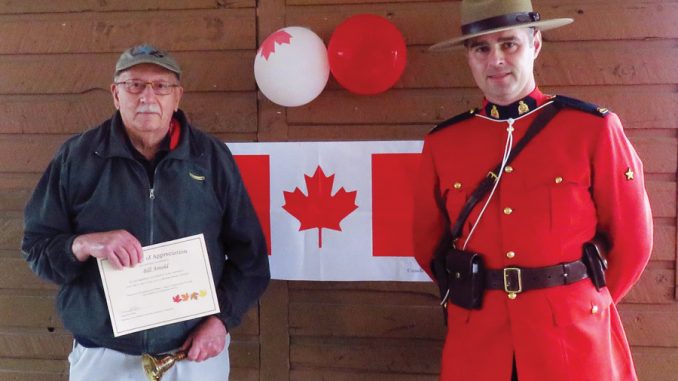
{"x":579,"y":175}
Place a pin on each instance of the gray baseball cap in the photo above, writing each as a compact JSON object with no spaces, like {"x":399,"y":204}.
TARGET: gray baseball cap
{"x":146,"y":54}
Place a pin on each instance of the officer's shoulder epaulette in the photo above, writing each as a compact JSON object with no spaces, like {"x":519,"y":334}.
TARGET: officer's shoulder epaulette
{"x":455,"y":119}
{"x":577,"y":104}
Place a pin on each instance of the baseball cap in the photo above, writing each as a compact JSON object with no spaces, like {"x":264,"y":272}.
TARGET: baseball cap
{"x":146,"y":54}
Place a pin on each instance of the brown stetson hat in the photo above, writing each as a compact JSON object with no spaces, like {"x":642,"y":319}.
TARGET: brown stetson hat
{"x":479,"y":17}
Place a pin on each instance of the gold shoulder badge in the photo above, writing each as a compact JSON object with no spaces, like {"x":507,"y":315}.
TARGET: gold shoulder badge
{"x":523,"y":108}
{"x":494,"y":112}
{"x":628,"y":174}
{"x":196,"y":177}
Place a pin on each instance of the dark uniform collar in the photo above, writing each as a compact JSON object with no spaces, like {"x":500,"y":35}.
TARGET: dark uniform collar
{"x":515,"y":109}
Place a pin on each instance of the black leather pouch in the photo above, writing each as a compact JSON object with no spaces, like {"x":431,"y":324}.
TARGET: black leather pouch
{"x":596,"y":264}
{"x":466,"y":279}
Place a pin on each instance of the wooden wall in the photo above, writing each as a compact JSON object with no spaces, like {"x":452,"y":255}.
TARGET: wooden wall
{"x":56,"y":61}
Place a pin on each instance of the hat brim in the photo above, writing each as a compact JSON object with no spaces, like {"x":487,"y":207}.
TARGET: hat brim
{"x":541,"y":25}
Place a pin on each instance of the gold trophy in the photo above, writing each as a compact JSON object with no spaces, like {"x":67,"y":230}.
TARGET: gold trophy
{"x":156,"y":366}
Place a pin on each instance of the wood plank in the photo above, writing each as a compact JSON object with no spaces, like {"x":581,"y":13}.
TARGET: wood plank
{"x":662,"y":196}
{"x":73,"y":113}
{"x":31,"y":370}
{"x":657,"y":153}
{"x":386,"y":321}
{"x":275,"y":340}
{"x":94,"y":32}
{"x":17,"y":7}
{"x":14,"y":200}
{"x":17,"y":181}
{"x":243,"y":374}
{"x":656,"y":285}
{"x":650,"y":107}
{"x":351,"y":132}
{"x":28,"y":311}
{"x":32,"y":153}
{"x":249,"y":325}
{"x":651,"y":326}
{"x":664,"y":240}
{"x":21,"y":276}
{"x":57,"y":343}
{"x":339,"y":375}
{"x":244,"y":353}
{"x":367,"y":355}
{"x":425,"y":23}
{"x":35,"y":343}
{"x":78,"y":73}
{"x":322,"y":296}
{"x":11,"y":231}
{"x":579,"y":63}
{"x":656,"y":364}
{"x":28,"y":153}
{"x":414,"y":287}
{"x":564,"y":64}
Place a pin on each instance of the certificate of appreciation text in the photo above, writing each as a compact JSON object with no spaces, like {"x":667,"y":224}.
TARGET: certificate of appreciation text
{"x":173,"y":283}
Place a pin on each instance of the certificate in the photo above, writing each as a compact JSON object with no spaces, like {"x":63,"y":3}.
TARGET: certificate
{"x":173,"y":283}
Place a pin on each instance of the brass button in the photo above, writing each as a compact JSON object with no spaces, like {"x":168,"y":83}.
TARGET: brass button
{"x":512,"y":295}
{"x":510,"y":254}
{"x":508,"y":169}
{"x":457,"y":185}
{"x":508,"y":211}
{"x":559,"y":180}
{"x":594,"y":309}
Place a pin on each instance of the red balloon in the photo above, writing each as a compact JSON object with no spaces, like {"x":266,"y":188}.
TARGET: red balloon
{"x":367,"y":54}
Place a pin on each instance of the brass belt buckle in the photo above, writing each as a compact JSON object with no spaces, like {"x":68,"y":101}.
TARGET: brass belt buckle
{"x":511,"y":274}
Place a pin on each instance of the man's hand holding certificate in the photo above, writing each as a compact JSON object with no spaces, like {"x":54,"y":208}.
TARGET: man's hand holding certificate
{"x":173,"y":283}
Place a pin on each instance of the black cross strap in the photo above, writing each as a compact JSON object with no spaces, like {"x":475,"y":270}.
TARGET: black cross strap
{"x":544,"y":117}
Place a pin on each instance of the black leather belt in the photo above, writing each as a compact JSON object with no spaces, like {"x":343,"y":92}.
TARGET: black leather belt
{"x":519,"y":279}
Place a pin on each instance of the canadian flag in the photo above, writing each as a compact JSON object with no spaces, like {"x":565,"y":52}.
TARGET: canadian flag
{"x":339,"y":211}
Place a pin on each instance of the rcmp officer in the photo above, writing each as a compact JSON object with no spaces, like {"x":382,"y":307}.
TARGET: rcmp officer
{"x":544,"y":314}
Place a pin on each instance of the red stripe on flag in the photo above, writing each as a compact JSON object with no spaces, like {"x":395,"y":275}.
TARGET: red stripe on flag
{"x":392,"y":203}
{"x":255,"y":172}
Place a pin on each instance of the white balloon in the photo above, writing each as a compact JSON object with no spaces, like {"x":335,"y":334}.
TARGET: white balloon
{"x":291,"y":67}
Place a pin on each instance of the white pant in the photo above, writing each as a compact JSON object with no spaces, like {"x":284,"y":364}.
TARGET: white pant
{"x":103,"y":364}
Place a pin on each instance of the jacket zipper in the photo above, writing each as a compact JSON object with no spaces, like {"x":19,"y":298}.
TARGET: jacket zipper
{"x":151,"y":197}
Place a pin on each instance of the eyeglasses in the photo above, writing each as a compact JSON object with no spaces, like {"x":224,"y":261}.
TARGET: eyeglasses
{"x":135,"y":86}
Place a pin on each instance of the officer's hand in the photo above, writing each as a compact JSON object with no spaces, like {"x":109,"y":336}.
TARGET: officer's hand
{"x":207,"y":340}
{"x":120,"y":247}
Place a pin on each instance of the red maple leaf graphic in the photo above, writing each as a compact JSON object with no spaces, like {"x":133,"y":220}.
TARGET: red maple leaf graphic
{"x":176,"y":298}
{"x":268,"y":46}
{"x":320,"y":209}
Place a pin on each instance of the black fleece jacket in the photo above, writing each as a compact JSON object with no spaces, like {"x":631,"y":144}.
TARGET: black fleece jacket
{"x":94,"y":184}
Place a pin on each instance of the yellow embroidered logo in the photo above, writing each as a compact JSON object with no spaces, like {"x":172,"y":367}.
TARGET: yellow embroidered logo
{"x":196,"y":177}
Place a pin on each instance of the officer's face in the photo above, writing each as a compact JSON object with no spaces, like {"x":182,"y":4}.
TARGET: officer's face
{"x":144,"y":111}
{"x":502,"y":63}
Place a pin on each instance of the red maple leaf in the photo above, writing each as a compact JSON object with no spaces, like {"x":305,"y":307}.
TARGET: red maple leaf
{"x":268,"y":46}
{"x":176,"y":298}
{"x":320,"y":209}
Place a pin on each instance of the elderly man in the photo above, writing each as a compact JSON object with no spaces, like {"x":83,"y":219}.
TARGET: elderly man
{"x":525,"y":294}
{"x":144,"y":176}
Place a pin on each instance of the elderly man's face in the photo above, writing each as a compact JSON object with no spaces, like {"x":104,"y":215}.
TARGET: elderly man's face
{"x":146,"y":112}
{"x":502,"y":63}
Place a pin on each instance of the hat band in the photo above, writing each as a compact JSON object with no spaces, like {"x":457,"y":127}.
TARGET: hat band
{"x":502,"y":21}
